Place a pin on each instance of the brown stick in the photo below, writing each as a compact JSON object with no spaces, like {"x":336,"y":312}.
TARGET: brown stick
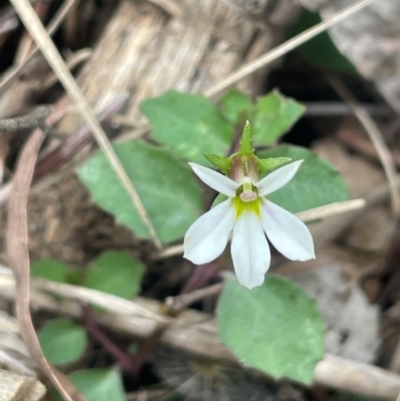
{"x":180,"y":302}
{"x":354,"y":140}
{"x":376,"y":137}
{"x":18,"y":256}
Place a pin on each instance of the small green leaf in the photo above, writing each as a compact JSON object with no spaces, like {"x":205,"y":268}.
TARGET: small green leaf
{"x":116,"y":273}
{"x":51,"y":270}
{"x":62,"y":341}
{"x":275,"y":115}
{"x":190,"y":125}
{"x":166,"y":186}
{"x":270,"y":164}
{"x":221,"y":163}
{"x":99,"y":384}
{"x":275,"y":328}
{"x":317,"y":183}
{"x":246,"y":146}
{"x":236,"y":106}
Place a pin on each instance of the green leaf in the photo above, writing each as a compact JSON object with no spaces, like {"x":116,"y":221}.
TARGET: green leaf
{"x":275,"y":328}
{"x":320,"y":50}
{"x":166,"y":186}
{"x":236,"y":106}
{"x":275,"y":115}
{"x":99,"y":384}
{"x":271,"y":164}
{"x":116,"y":273}
{"x":246,"y":146}
{"x":62,"y":341}
{"x":221,"y":163}
{"x":317,"y":183}
{"x":51,"y":270}
{"x":190,"y":125}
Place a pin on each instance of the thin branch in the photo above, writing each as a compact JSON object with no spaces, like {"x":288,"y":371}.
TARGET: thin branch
{"x":47,"y":47}
{"x":376,"y":137}
{"x":169,"y":252}
{"x":284,"y":48}
{"x":317,"y":213}
{"x":18,"y":256}
{"x":180,"y":302}
{"x":332,"y":209}
{"x":33,"y":120}
{"x":329,"y":109}
{"x":357,"y":141}
{"x":94,"y":330}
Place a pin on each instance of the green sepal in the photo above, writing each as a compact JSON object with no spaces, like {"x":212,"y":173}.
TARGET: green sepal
{"x":246,"y":147}
{"x":220,"y":162}
{"x":219,"y":199}
{"x":270,"y":164}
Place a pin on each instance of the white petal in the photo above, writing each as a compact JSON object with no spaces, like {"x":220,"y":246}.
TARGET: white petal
{"x":250,"y":251}
{"x":287,"y":233}
{"x":207,"y":237}
{"x":217,"y":181}
{"x":277,"y":179}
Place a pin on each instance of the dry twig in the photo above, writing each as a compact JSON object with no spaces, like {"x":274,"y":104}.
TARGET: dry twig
{"x":36,"y":119}
{"x":376,"y":137}
{"x":17,"y":251}
{"x":180,"y":302}
{"x":356,"y":141}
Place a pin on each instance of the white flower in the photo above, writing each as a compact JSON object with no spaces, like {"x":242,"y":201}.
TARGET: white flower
{"x":249,"y":215}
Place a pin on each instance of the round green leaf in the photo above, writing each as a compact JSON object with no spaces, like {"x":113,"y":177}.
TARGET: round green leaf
{"x":188,"y":124}
{"x":317,"y":183}
{"x":62,"y":341}
{"x":236,"y":106}
{"x":116,"y":273}
{"x":51,"y":270}
{"x":166,"y":186}
{"x":275,"y":328}
{"x":275,"y":114}
{"x":99,"y":384}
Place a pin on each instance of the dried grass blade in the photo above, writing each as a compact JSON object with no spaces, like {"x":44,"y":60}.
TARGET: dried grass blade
{"x":376,"y":137}
{"x":18,"y":256}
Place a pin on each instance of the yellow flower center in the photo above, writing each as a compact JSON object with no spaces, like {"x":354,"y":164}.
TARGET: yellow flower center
{"x":251,"y":206}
